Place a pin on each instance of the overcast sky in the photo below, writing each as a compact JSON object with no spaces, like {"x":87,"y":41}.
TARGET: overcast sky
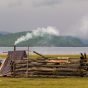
{"x":70,"y":17}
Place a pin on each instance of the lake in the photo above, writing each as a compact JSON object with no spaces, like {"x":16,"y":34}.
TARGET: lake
{"x":49,"y":50}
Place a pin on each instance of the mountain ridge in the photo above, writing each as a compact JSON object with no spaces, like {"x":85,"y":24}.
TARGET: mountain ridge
{"x":46,"y":40}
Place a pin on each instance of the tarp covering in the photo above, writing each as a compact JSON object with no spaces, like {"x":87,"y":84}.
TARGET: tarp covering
{"x":12,"y":55}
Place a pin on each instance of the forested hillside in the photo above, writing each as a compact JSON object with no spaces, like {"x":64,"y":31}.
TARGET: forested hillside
{"x":46,"y":40}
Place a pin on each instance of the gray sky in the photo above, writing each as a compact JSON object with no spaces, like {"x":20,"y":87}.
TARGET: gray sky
{"x":70,"y":17}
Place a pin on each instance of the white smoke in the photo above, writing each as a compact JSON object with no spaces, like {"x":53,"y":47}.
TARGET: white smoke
{"x":84,"y":27}
{"x":80,"y":29}
{"x":38,"y":32}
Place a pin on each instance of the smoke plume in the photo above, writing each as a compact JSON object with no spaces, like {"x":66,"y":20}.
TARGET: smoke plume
{"x":84,"y":26}
{"x":80,"y":29}
{"x":38,"y":32}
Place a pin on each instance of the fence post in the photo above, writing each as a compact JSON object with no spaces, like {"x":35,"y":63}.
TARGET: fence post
{"x":83,"y":60}
{"x":12,"y":65}
{"x":27,"y":72}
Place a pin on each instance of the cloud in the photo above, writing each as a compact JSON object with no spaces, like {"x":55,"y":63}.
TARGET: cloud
{"x":46,"y":2}
{"x":39,"y":3}
{"x":15,"y":3}
{"x":80,"y":29}
{"x":62,"y":14}
{"x":10,"y":3}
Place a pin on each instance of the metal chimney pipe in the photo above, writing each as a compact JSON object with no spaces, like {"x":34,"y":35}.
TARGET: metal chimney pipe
{"x":28,"y":52}
{"x":14,"y":47}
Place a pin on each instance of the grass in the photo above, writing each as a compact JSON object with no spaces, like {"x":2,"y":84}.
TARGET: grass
{"x":49,"y":56}
{"x":3,"y":55}
{"x":72,"y":82}
{"x":54,"y":56}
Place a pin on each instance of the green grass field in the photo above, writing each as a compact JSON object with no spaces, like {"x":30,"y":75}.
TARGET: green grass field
{"x":50,"y":56}
{"x":72,"y":82}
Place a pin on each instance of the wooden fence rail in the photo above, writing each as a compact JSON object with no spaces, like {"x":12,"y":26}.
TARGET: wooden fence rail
{"x":28,"y":68}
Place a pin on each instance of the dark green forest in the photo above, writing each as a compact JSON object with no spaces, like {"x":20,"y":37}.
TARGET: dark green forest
{"x":47,"y":40}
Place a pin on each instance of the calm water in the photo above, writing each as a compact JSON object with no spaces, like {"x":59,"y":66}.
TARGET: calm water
{"x":50,"y":50}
